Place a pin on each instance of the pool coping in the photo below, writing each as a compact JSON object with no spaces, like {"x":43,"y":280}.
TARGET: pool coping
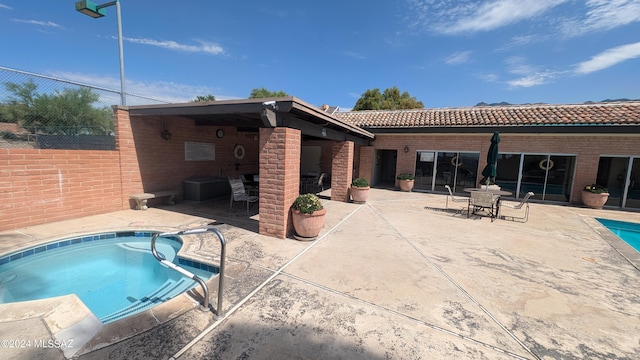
{"x":625,"y":250}
{"x":80,"y":326}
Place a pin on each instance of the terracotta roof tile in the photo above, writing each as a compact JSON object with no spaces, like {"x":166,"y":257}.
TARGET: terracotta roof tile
{"x":618,"y":113}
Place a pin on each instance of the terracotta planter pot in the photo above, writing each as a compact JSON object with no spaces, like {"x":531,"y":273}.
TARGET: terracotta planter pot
{"x":359,"y":194}
{"x":595,"y":201}
{"x":308,"y":226}
{"x":406,"y":185}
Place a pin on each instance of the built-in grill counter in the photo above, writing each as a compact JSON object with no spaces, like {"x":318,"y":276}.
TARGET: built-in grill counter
{"x":206,"y":188}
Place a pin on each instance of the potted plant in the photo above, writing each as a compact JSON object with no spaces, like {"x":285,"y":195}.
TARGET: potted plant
{"x":307,"y":214}
{"x":595,"y":196}
{"x":405,"y":181}
{"x":359,"y":190}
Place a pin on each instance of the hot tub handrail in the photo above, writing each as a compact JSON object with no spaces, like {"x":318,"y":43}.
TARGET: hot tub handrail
{"x":223,"y":250}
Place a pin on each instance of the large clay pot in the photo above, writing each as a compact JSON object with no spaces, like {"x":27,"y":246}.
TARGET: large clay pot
{"x":593,"y":200}
{"x":308,"y":226}
{"x":406,"y":185}
{"x":359,"y":194}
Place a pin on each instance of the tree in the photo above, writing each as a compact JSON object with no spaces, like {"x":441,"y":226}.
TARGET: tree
{"x":207,"y":97}
{"x":391,"y":99}
{"x":264,"y":93}
{"x":64,"y":112}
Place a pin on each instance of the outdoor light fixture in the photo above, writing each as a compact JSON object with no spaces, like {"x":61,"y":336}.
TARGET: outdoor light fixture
{"x":406,"y":149}
{"x":97,"y":11}
{"x":164,"y":133}
{"x":90,"y":9}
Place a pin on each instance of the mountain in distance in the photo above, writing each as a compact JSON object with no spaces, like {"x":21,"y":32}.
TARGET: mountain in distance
{"x":504,"y":103}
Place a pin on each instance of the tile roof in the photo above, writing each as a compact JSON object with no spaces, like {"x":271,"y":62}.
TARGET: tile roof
{"x":593,"y":114}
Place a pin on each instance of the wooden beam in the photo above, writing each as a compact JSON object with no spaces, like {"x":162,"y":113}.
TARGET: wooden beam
{"x":268,"y":118}
{"x":317,"y":130}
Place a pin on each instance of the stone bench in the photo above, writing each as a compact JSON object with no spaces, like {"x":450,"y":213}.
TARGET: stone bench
{"x":141,"y":199}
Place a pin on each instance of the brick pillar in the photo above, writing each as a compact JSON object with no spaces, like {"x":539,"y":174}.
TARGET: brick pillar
{"x":341,"y":170}
{"x":366,"y":163}
{"x":279,"y":179}
{"x":130,"y":176}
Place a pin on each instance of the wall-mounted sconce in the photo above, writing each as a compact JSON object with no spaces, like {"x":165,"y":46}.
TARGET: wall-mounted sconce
{"x":164,"y":133}
{"x":406,"y":149}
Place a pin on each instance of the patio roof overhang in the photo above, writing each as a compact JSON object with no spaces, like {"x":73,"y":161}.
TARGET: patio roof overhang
{"x":251,"y":114}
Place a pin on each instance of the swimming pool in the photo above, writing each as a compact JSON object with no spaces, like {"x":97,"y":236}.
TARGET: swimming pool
{"x":114,"y":274}
{"x":627,"y":231}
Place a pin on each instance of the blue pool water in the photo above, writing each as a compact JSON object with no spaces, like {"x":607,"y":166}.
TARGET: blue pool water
{"x":629,"y":232}
{"x":114,"y":274}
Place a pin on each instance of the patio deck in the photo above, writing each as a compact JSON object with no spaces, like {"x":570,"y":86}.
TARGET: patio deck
{"x":395,"y":278}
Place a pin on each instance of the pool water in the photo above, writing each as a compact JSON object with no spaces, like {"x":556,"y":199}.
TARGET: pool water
{"x":627,"y":231}
{"x":114,"y":275}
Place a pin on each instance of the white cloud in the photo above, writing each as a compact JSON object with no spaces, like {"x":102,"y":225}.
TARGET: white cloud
{"x":203,"y":47}
{"x":354,"y":55}
{"x":457,"y":58}
{"x":452,"y":17}
{"x":3,"y":6}
{"x":528,"y":75}
{"x":523,"y":40}
{"x":602,"y":15}
{"x":609,"y":14}
{"x":37,"y":22}
{"x":608,"y":58}
{"x":539,"y":78}
{"x":159,"y":90}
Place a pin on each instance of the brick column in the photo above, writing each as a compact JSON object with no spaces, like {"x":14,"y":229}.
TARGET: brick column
{"x":279,"y":179}
{"x":130,"y":176}
{"x":341,"y":170}
{"x":366,"y":163}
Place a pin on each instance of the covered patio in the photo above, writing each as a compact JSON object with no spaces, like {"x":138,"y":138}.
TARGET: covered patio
{"x":161,"y":146}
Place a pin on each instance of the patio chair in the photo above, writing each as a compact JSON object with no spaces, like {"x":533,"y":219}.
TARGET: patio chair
{"x":524,"y":202}
{"x":313,"y":184}
{"x":319,"y":183}
{"x":481,"y":200}
{"x":453,"y":198}
{"x":238,"y":193}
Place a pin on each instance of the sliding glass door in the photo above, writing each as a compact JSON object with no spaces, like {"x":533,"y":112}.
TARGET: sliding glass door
{"x":435,"y":169}
{"x":549,"y":177}
{"x":621,"y":176}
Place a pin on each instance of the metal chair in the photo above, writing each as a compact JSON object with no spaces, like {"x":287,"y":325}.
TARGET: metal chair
{"x":524,"y":202}
{"x":480,"y":200}
{"x":238,"y":193}
{"x":453,"y":198}
{"x":315,"y":184}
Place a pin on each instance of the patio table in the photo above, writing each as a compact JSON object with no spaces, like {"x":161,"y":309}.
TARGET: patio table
{"x":494,"y":192}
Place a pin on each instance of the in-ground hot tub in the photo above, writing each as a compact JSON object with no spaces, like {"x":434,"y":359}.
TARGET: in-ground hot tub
{"x":206,"y":188}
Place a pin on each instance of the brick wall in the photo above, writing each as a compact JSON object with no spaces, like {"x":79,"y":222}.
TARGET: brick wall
{"x":365,"y":167}
{"x":39,"y":186}
{"x":161,"y":163}
{"x":586,"y":148}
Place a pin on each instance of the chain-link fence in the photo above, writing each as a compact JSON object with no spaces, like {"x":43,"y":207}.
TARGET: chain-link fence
{"x":42,"y":112}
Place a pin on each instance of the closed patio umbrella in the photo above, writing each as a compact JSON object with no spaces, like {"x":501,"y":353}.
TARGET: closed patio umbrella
{"x":490,"y":170}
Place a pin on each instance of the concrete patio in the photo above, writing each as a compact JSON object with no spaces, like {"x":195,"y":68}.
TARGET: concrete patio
{"x":395,"y":278}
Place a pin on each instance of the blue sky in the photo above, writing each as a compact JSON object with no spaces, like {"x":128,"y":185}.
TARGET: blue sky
{"x":445,"y":53}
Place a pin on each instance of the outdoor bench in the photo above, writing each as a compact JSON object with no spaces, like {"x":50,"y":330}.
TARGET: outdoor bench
{"x":141,"y":199}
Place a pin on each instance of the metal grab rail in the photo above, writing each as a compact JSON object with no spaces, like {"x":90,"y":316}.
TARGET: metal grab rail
{"x":188,"y":274}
